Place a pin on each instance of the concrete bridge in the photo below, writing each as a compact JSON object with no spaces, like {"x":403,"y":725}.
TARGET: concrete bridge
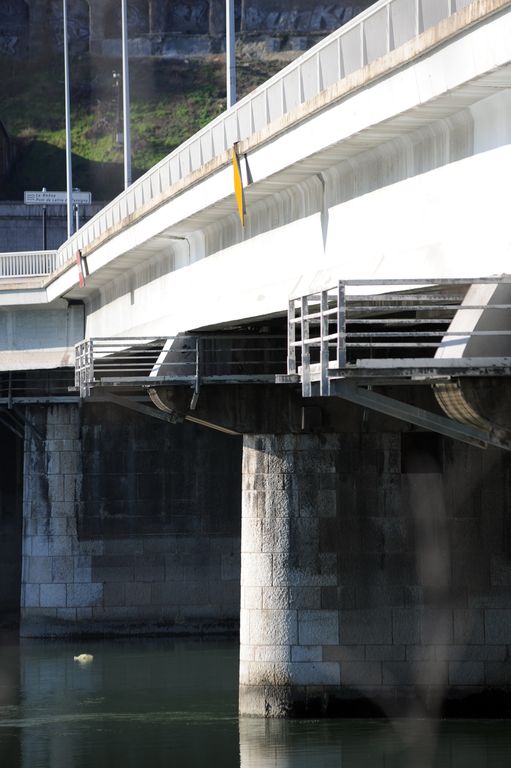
{"x":354,"y":331}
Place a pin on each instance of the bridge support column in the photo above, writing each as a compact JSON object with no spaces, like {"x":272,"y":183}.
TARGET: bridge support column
{"x":288,"y":575}
{"x":58,"y":588}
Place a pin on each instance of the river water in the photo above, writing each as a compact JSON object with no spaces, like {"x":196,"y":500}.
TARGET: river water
{"x":174,"y":703}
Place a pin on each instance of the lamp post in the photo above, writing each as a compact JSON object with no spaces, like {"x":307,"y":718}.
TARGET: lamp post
{"x":69,"y":170}
{"x":126,"y":96}
{"x":116,"y":76}
{"x":230,"y":55}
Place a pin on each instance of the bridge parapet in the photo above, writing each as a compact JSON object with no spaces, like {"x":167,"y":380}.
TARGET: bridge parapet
{"x":27,"y":264}
{"x":384,"y":27}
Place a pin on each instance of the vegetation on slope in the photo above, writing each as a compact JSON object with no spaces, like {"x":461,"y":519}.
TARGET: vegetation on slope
{"x":170,"y":100}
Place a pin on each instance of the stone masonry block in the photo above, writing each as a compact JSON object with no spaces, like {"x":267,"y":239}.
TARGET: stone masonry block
{"x":466,"y":672}
{"x":275,"y":597}
{"x":385,"y":652}
{"x":56,"y":490}
{"x":53,"y":596}
{"x":306,"y":568}
{"x":253,"y":504}
{"x":185,"y":594}
{"x":138,"y":593}
{"x":306,"y":653}
{"x":66,"y":614}
{"x":318,"y":627}
{"x":422,"y":673}
{"x":39,"y":546}
{"x":149,"y":573}
{"x":39,"y":570}
{"x":79,"y":595}
{"x":58,"y":526}
{"x":327,"y":502}
{"x":422,"y":653}
{"x":245,"y":628}
{"x":261,"y":672}
{"x":436,"y":626}
{"x":247,"y":652}
{"x":406,"y":626}
{"x":82,"y":569}
{"x":273,"y":653}
{"x":252,"y":598}
{"x":113,"y":574}
{"x":314,"y":673}
{"x":61,"y":509}
{"x":91,"y":547}
{"x":256,"y":569}
{"x":114,"y":594}
{"x":498,"y":626}
{"x":468,"y":625}
{"x":62,"y":569}
{"x":471,"y":652}
{"x":72,"y":487}
{"x":60,"y":545}
{"x":174,"y":568}
{"x":252,"y":535}
{"x":357,"y":673}
{"x":371,"y":626}
{"x":279,"y":503}
{"x":305,"y":597}
{"x":159,"y":544}
{"x":273,"y":627}
{"x":31,"y":592}
{"x":344,"y":652}
{"x":276,"y":535}
{"x":497,"y":673}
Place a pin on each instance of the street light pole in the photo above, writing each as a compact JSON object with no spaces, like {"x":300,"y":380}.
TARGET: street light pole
{"x":69,"y":169}
{"x":230,"y":55}
{"x":126,"y":97}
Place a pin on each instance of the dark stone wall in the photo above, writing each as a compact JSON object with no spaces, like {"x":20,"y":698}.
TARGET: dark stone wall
{"x":144,"y":477}
{"x":164,"y":27}
{"x":11,"y":490}
{"x":131,"y":525}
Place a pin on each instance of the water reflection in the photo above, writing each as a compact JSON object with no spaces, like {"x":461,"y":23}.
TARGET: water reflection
{"x":174,"y":703}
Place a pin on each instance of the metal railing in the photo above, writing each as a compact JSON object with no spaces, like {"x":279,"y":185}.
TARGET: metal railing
{"x":380,"y":29}
{"x":27,"y":264}
{"x":339,"y":332}
{"x":184,"y":359}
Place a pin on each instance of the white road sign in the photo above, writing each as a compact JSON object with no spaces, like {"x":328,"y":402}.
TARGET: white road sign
{"x":56,"y":198}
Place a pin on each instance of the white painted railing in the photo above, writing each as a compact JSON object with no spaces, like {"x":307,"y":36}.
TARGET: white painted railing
{"x":27,"y":264}
{"x":384,"y":26}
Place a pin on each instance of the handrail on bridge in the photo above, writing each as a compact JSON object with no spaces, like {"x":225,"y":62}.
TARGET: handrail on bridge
{"x":141,"y":362}
{"x":383,"y":27}
{"x":27,"y":264}
{"x":395,"y":328}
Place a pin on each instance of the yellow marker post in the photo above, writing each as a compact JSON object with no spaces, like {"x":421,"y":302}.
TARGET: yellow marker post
{"x":238,"y":185}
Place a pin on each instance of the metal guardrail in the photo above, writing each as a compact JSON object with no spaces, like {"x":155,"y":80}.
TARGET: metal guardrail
{"x":185,"y":359}
{"x":380,"y":29}
{"x":337,"y":332}
{"x":27,"y":264}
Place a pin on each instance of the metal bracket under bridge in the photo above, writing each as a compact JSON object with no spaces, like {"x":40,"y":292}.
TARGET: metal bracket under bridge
{"x":361,"y":334}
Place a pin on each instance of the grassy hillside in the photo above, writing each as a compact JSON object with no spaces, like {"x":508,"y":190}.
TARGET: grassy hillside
{"x":170,"y":100}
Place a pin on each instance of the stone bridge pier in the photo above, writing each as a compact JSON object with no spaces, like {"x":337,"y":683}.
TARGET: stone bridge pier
{"x":375,"y":560}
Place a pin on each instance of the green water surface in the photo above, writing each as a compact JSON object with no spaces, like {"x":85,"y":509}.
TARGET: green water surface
{"x":174,"y":703}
